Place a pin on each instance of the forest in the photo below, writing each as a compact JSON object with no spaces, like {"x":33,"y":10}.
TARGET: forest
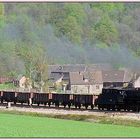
{"x":34,"y":35}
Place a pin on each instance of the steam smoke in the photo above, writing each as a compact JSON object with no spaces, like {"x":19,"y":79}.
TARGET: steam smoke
{"x":61,"y":50}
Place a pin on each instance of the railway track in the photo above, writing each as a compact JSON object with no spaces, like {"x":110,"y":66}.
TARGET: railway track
{"x":61,"y":110}
{"x":92,"y":115}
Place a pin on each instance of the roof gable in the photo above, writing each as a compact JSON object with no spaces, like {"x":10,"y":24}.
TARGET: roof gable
{"x":113,"y":76}
{"x":76,"y":78}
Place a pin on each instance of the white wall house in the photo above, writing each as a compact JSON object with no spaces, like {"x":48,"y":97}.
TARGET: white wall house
{"x":82,"y":84}
{"x":96,"y":89}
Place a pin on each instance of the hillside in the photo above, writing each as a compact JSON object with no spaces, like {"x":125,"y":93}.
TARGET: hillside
{"x":35,"y":34}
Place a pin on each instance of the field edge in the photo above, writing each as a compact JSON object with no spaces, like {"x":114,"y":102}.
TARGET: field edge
{"x":78,"y":117}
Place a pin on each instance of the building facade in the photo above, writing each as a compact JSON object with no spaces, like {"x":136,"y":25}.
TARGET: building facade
{"x":82,"y":79}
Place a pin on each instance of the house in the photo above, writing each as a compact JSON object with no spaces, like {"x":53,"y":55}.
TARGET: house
{"x":96,"y":82}
{"x":113,"y":78}
{"x":93,"y":82}
{"x":60,"y":73}
{"x":55,"y":72}
{"x":90,"y":79}
{"x":60,"y":80}
{"x":24,"y":83}
{"x":78,"y":84}
{"x":116,"y":78}
{"x":86,"y":83}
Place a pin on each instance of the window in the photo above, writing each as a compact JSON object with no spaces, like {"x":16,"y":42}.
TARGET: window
{"x":97,"y":87}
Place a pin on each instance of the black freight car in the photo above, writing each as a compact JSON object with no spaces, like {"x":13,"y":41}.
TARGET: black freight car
{"x":23,"y":97}
{"x":40,"y":98}
{"x":8,"y":96}
{"x":61,"y":99}
{"x":83,"y":100}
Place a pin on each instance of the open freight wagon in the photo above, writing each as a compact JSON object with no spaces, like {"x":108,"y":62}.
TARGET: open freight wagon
{"x":83,"y":100}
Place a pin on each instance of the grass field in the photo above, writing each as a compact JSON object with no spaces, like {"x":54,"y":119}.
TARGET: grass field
{"x":28,"y":126}
{"x":6,"y":86}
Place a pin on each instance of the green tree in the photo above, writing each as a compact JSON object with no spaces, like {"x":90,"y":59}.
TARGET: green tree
{"x":114,"y":10}
{"x":72,"y":29}
{"x":68,"y":20}
{"x":106,"y":31}
{"x":35,"y":60}
{"x":108,"y":7}
{"x":75,"y":10}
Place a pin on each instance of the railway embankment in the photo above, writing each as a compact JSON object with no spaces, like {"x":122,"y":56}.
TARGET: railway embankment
{"x":96,"y":116}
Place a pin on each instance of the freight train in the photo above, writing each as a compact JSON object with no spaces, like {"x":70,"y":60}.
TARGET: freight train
{"x":49,"y":99}
{"x":118,"y":99}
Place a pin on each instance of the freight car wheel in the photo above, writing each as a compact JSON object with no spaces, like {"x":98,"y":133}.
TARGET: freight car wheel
{"x":69,"y":106}
{"x":64,"y":106}
{"x":57,"y":104}
{"x":49,"y":104}
{"x":99,"y":108}
{"x":118,"y":109}
{"x":113,"y":108}
{"x":134,"y":109}
{"x":92,"y":106}
{"x":102,"y":108}
{"x":79,"y":106}
{"x":125,"y":109}
{"x":86,"y":106}
{"x":128,"y":109}
{"x":108,"y":108}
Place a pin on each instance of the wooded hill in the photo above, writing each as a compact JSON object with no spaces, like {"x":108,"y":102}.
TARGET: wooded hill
{"x":33,"y":35}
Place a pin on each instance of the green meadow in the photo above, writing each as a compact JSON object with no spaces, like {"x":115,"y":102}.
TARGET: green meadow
{"x":12,"y":125}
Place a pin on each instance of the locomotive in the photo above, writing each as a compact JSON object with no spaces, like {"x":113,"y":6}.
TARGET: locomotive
{"x":118,"y":99}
